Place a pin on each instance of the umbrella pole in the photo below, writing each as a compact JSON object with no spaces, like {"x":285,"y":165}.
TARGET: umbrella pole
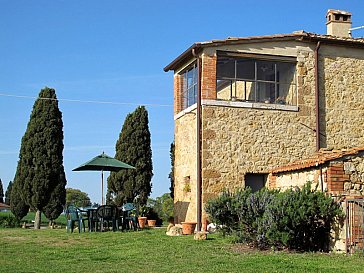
{"x":102,"y":187}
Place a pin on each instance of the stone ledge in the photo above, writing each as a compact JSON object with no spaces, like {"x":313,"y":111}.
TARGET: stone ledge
{"x":254,"y":105}
{"x":238,"y":104}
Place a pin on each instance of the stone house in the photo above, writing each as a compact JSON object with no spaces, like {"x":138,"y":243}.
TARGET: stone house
{"x":244,"y":106}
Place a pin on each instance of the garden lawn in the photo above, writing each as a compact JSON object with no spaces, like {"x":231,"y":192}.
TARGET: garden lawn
{"x":26,"y":250}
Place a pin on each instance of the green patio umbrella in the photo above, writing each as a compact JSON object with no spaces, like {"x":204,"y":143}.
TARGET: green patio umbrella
{"x":103,"y":163}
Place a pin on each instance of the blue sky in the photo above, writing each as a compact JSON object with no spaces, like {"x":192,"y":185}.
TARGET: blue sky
{"x":115,"y":51}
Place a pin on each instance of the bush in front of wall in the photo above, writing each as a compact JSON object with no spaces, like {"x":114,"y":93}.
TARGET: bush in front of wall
{"x":251,"y":211}
{"x":8,"y":221}
{"x":223,"y":211}
{"x":302,"y":219}
{"x":299,"y":219}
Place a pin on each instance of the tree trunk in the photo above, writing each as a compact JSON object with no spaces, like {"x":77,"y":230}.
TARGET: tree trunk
{"x":37,"y":219}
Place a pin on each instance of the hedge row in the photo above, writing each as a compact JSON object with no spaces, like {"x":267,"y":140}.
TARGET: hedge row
{"x":297,"y":219}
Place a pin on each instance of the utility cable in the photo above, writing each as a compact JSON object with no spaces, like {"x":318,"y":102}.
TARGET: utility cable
{"x":87,"y":101}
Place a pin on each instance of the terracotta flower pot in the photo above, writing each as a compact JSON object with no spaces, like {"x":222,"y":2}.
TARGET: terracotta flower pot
{"x":151,"y":223}
{"x":188,"y":228}
{"x":142,"y":221}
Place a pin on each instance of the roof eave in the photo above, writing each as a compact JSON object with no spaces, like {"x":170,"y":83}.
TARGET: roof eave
{"x":298,"y":36}
{"x":186,"y":54}
{"x":337,"y":42}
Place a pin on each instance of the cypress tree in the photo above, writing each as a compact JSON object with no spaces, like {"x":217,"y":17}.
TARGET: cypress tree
{"x":133,"y":147}
{"x":8,"y":192}
{"x":40,"y":177}
{"x":17,"y":205}
{"x":1,"y":192}
{"x":56,"y":202}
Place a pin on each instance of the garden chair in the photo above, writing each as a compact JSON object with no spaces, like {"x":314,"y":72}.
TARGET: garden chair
{"x":74,"y":216}
{"x":107,"y":214}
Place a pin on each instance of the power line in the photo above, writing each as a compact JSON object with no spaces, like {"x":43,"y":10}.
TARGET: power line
{"x":87,"y":101}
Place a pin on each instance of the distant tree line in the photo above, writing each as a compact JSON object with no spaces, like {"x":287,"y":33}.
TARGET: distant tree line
{"x":5,"y":198}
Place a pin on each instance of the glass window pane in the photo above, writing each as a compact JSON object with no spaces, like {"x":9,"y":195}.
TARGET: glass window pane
{"x":190,"y":77}
{"x":266,"y":92}
{"x":245,"y":69}
{"x":225,"y":68}
{"x":224,"y":88}
{"x":265,"y":71}
{"x":285,"y":72}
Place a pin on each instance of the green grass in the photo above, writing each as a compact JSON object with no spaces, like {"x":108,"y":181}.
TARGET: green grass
{"x":26,"y":250}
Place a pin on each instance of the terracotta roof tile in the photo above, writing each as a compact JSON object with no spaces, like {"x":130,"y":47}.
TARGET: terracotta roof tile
{"x":317,"y":159}
{"x":4,"y":206}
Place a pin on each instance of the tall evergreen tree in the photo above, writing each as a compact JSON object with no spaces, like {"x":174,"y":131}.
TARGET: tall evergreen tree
{"x":56,"y":202}
{"x":40,"y":177}
{"x":8,"y":192}
{"x":171,"y":174}
{"x":17,"y":205}
{"x":1,"y":192}
{"x":134,"y":148}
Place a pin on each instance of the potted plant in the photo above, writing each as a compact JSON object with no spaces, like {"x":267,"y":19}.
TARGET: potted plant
{"x":142,"y":218}
{"x":188,"y":228}
{"x":152,"y":217}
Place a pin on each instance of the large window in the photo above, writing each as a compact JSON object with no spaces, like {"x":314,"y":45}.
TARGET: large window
{"x":189,"y":86}
{"x":256,"y":79}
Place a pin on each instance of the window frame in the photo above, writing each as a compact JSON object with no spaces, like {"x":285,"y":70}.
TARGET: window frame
{"x":189,"y":90}
{"x":256,"y":58}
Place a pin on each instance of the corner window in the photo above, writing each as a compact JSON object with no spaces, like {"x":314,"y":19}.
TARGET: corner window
{"x":189,"y":86}
{"x":256,"y":80}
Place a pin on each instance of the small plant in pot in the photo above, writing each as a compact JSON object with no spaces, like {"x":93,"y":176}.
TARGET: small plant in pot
{"x":152,"y":218}
{"x":142,"y":218}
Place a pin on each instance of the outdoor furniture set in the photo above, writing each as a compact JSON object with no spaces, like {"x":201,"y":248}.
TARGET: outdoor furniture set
{"x":103,"y":218}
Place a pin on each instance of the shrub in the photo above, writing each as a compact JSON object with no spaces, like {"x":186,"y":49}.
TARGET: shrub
{"x":302,"y":219}
{"x":8,"y":221}
{"x":299,"y":219}
{"x":251,"y":212}
{"x":223,"y":211}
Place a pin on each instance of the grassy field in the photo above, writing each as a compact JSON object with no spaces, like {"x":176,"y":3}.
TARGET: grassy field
{"x":26,"y":250}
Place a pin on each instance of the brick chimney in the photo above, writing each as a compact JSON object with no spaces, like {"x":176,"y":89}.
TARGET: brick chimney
{"x":338,"y":23}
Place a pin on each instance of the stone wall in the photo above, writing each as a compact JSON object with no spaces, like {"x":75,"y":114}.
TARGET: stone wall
{"x":353,"y":168}
{"x":293,"y":179}
{"x":342,"y":99}
{"x":237,"y":141}
{"x":185,"y":168}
